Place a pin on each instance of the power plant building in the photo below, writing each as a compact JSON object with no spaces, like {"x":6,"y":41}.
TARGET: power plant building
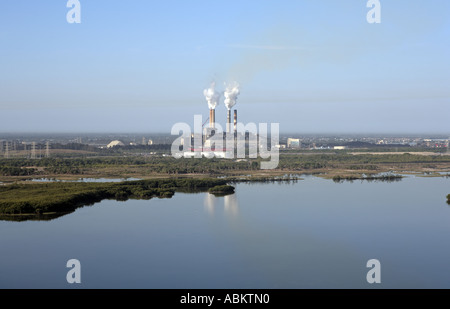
{"x":293,"y":143}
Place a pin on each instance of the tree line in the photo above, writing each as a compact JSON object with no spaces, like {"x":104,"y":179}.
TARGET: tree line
{"x":169,"y":165}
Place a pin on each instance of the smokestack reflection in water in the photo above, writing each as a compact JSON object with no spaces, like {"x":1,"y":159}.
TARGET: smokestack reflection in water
{"x":231,"y":205}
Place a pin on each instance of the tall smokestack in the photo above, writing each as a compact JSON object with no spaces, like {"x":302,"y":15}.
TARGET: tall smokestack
{"x":212,"y":117}
{"x":235,"y":121}
{"x":231,"y":93}
{"x":212,"y":97}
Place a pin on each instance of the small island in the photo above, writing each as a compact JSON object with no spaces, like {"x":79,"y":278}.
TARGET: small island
{"x":385,"y":178}
{"x":221,"y":190}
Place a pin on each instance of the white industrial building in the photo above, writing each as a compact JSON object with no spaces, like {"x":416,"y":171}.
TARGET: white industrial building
{"x":115,"y":143}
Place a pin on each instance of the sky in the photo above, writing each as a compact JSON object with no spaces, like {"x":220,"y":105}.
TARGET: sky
{"x":141,"y":65}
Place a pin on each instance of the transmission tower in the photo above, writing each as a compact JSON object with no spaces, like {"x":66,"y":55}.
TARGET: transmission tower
{"x":7,"y":150}
{"x":47,"y":149}
{"x":33,"y":150}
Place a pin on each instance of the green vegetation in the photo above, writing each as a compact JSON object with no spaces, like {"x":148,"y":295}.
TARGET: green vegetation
{"x":17,"y":171}
{"x":387,"y":178}
{"x":222,"y":190}
{"x":146,"y":165}
{"x":265,"y":179}
{"x":361,"y":161}
{"x":63,"y":197}
{"x":366,"y":148}
{"x":158,"y":165}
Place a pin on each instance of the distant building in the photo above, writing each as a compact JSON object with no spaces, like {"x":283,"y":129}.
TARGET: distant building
{"x":208,"y":153}
{"x":280,"y":146}
{"x":115,"y":143}
{"x":150,"y":142}
{"x":340,"y":147}
{"x":293,"y":143}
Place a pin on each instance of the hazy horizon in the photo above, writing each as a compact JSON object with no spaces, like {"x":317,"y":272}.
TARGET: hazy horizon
{"x":282,"y":134}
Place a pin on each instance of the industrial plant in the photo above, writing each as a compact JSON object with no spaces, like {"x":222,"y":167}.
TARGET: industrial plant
{"x":214,"y":141}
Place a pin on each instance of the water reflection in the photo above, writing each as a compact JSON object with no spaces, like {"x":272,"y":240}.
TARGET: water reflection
{"x":210,"y":202}
{"x":231,"y":205}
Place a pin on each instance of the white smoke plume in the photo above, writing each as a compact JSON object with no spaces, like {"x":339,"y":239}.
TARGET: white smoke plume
{"x":212,"y":96}
{"x":231,"y":93}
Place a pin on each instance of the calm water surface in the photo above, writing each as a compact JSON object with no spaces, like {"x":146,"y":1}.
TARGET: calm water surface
{"x":311,"y":234}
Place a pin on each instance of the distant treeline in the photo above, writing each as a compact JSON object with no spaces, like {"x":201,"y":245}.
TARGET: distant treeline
{"x":359,"y":144}
{"x":362,"y":148}
{"x":134,"y":148}
{"x":386,"y":178}
{"x":165,"y":165}
{"x":17,"y":171}
{"x":355,"y":162}
{"x":169,"y":165}
{"x":91,"y":148}
{"x":74,"y":146}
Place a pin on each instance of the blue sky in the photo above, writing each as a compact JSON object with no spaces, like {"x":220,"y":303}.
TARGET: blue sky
{"x":141,"y":66}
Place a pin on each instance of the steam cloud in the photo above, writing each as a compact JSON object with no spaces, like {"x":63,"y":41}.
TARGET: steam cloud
{"x":231,"y":93}
{"x":212,"y":96}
